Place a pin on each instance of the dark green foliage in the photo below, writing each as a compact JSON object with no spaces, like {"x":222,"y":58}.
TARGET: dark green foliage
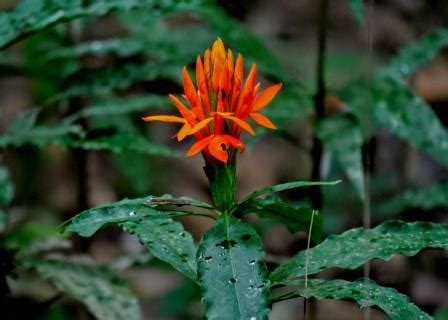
{"x":167,"y":240}
{"x":106,"y":295}
{"x":231,"y":271}
{"x":357,"y":246}
{"x":366,"y":293}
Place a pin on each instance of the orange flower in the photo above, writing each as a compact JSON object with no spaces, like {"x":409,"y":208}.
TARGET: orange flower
{"x":219,"y":106}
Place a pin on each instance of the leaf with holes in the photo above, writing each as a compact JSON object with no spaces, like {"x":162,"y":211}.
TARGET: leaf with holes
{"x":357,"y":246}
{"x":90,"y":221}
{"x":168,"y":241}
{"x":106,"y":295}
{"x":342,"y":137}
{"x":366,"y":293}
{"x":231,"y":271}
{"x":415,"y":55}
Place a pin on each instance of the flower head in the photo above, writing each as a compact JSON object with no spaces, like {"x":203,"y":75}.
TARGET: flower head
{"x":218,"y":108}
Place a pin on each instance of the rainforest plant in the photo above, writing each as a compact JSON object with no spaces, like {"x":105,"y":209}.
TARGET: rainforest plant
{"x":84,"y":109}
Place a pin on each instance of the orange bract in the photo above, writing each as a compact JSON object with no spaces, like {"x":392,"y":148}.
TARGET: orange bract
{"x":220,"y":105}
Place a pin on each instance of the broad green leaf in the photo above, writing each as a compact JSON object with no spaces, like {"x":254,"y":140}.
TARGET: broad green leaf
{"x":167,"y":240}
{"x":31,"y":16}
{"x":342,"y":136}
{"x":106,"y":80}
{"x":106,"y":296}
{"x":366,"y":293}
{"x":123,"y":141}
{"x":295,"y":219}
{"x":120,"y":105}
{"x":127,"y":210}
{"x":391,"y":104}
{"x":357,"y":246}
{"x":287,"y":186}
{"x":425,"y":198}
{"x":406,"y":115}
{"x":231,"y":271}
{"x":415,"y":55}
{"x":357,"y":8}
{"x":6,"y":187}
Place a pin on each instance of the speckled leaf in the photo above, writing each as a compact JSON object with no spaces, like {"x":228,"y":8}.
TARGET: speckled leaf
{"x":357,"y":8}
{"x":127,"y":210}
{"x":295,"y":219}
{"x":31,"y":16}
{"x":105,"y":295}
{"x":168,"y":241}
{"x":366,"y":293}
{"x":415,"y":55}
{"x":426,"y":198}
{"x":287,"y":186}
{"x":342,"y":137}
{"x":357,"y":246}
{"x":231,"y":271}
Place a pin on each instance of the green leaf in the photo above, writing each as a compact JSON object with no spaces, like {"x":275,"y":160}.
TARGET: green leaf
{"x":366,"y":293}
{"x":6,"y":187}
{"x":425,"y":198}
{"x":106,"y":80}
{"x":232,"y":272}
{"x":287,"y":186}
{"x":391,"y":104}
{"x":90,"y":221}
{"x":342,"y":136}
{"x":167,"y":240}
{"x":357,"y":246}
{"x":120,"y":106}
{"x":39,"y":135}
{"x":406,"y":115}
{"x":416,"y":55}
{"x":105,"y":295}
{"x":124,"y":141}
{"x":295,"y":219}
{"x":31,"y":16}
{"x":357,"y":8}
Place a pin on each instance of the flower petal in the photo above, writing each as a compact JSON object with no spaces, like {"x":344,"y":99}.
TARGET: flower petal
{"x":200,"y":125}
{"x":218,"y":148}
{"x":262,"y":120}
{"x":183,"y":110}
{"x":199,"y":146}
{"x":236,"y":143}
{"x":266,"y":96}
{"x":165,"y":119}
{"x":190,"y":90}
{"x":183,"y":132}
{"x":241,"y":123}
{"x":201,"y":81}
